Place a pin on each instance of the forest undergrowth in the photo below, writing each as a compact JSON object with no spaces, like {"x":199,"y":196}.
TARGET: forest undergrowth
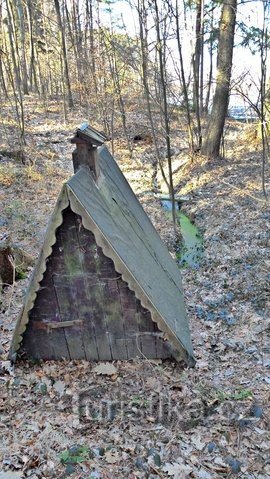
{"x":165,"y":420}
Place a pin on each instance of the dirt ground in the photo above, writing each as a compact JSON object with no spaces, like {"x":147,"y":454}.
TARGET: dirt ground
{"x":160,"y":418}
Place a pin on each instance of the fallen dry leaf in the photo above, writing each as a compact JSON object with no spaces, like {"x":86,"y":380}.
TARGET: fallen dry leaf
{"x":11,"y":475}
{"x":112,"y":457}
{"x":177,"y":471}
{"x":108,"y":369}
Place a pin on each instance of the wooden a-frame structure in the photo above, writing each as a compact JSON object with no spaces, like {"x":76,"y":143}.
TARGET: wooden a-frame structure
{"x":105,"y":286}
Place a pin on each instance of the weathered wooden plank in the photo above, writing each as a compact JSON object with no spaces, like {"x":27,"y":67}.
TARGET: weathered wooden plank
{"x":105,"y":267}
{"x":114,"y":319}
{"x":89,"y":255}
{"x":40,"y":344}
{"x":44,"y":343}
{"x":55,"y":262}
{"x":85,"y":296}
{"x":37,"y":344}
{"x":53,"y":345}
{"x":67,"y":297}
{"x":113,"y":342}
{"x":49,"y":325}
{"x":73,"y":255}
{"x":162,"y":351}
{"x":37,"y":274}
{"x":88,"y":247}
{"x":129,"y":314}
{"x":147,"y":332}
{"x":96,"y":290}
{"x":95,"y":261}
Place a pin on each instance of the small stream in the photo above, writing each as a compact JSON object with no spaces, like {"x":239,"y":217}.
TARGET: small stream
{"x":190,"y":252}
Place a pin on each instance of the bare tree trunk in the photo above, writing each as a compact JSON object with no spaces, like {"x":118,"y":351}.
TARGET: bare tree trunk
{"x":78,"y":38}
{"x":145,"y":79}
{"x":75,"y":35}
{"x":210,"y":75}
{"x":15,"y":78}
{"x":12,"y":43}
{"x":117,"y":84}
{"x":64,"y":54}
{"x":183,"y":80}
{"x":89,"y":27}
{"x":18,"y":102}
{"x":20,"y":11}
{"x":211,"y":145}
{"x":48,"y":90}
{"x":201,"y":83}
{"x":165,"y":108}
{"x":32,"y":67}
{"x":196,"y":60}
{"x":2,"y":76}
{"x":264,"y":132}
{"x":2,"y":55}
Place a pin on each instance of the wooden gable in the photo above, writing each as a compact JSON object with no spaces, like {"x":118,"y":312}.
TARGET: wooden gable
{"x":84,"y":309}
{"x":105,"y":286}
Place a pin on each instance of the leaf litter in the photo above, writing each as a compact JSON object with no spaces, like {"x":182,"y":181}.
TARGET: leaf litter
{"x":148,"y":419}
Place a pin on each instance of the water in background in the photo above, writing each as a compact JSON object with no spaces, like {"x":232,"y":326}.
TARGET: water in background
{"x":190,"y":251}
{"x":242,"y":113}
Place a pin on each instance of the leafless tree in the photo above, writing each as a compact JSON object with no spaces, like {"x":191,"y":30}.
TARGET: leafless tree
{"x":212,"y":141}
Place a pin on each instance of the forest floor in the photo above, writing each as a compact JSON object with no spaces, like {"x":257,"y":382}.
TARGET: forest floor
{"x":208,"y":422}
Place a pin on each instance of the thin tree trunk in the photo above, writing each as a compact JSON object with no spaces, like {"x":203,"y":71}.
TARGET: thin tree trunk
{"x":12,"y":41}
{"x":90,"y":55}
{"x":48,"y":72}
{"x":64,"y":54}
{"x":202,"y":59}
{"x":183,"y":79}
{"x":165,"y":109}
{"x":211,"y":145}
{"x":2,"y":54}
{"x":2,"y":76}
{"x":20,"y":11}
{"x":118,"y":87}
{"x":144,"y":53}
{"x":210,"y":77}
{"x":263,"y":55}
{"x":32,"y":67}
{"x":196,"y":59}
{"x":197,"y":53}
{"x":18,"y":101}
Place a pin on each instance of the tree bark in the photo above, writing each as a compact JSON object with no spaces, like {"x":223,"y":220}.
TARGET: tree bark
{"x":163,"y":82}
{"x":32,"y":59}
{"x":2,"y":55}
{"x":12,"y":43}
{"x":64,"y":53}
{"x":210,"y":76}
{"x":145,"y":79}
{"x":21,"y":22}
{"x":211,"y":145}
{"x":196,"y":62}
{"x":183,"y":79}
